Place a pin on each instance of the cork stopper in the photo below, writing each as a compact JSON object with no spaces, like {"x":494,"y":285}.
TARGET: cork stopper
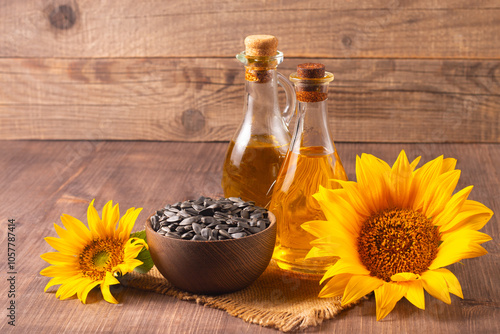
{"x":261,"y":45}
{"x":311,"y":70}
{"x":311,"y":82}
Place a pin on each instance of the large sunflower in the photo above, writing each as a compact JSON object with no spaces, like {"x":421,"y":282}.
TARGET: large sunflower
{"x":395,"y":229}
{"x":88,"y":258}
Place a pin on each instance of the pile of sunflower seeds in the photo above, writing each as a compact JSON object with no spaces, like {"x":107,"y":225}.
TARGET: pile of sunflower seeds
{"x":210,"y":219}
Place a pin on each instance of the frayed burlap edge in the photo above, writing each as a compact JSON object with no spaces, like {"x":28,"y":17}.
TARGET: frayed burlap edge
{"x":235,"y":305}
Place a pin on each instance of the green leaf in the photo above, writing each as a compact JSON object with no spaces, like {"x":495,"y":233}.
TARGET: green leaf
{"x":144,"y":255}
{"x":139,"y":234}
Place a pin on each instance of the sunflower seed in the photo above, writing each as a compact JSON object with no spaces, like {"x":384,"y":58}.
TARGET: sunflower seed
{"x":238,"y":235}
{"x":154,"y":223}
{"x":254,"y":229}
{"x":207,"y":212}
{"x":174,"y":219}
{"x":209,"y":219}
{"x":197,"y":228}
{"x":257,"y":215}
{"x":221,"y":227}
{"x":169,"y":214}
{"x":186,"y":205}
{"x":206,"y":232}
{"x":198,"y":207}
{"x":180,"y":229}
{"x":243,"y":224}
{"x":190,"y":220}
{"x":224,"y":233}
{"x":187,"y":235}
{"x":232,"y":230}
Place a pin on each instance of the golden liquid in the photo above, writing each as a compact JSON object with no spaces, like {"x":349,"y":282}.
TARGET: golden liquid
{"x":292,"y":204}
{"x":249,"y":172}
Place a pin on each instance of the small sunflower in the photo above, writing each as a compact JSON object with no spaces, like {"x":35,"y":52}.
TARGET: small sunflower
{"x":395,"y":229}
{"x":88,"y":258}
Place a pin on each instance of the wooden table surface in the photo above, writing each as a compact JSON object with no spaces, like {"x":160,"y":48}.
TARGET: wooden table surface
{"x":41,"y":180}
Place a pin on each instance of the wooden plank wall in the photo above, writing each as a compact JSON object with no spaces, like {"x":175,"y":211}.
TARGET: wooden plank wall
{"x":406,"y":70}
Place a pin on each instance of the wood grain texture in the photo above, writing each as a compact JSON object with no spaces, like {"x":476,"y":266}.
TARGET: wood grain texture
{"x":201,"y":99}
{"x":338,"y":29}
{"x":42,"y":180}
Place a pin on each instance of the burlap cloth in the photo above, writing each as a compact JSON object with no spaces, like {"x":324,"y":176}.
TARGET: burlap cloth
{"x":279,"y":299}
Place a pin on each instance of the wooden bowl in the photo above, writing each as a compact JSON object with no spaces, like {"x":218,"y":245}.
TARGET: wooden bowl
{"x":212,"y":267}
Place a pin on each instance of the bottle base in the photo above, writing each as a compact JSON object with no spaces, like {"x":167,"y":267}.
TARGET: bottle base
{"x":295,"y":261}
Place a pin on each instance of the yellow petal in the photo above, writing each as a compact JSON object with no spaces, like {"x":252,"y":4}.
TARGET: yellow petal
{"x":131,"y":251}
{"x":452,"y":282}
{"x":338,"y":234}
{"x":105,"y":291}
{"x":358,"y":287}
{"x":338,"y":210}
{"x":110,"y":216}
{"x":372,"y":176}
{"x":85,"y":291}
{"x":59,"y":271}
{"x":335,"y":286}
{"x":76,"y":227}
{"x":59,"y":258}
{"x":344,"y":248}
{"x":316,"y":252}
{"x":69,"y":237}
{"x":345,"y":267}
{"x":106,"y":294}
{"x":355,"y":198}
{"x":55,"y":281}
{"x":127,"y":222}
{"x":466,"y":236}
{"x":95,"y":223}
{"x":439,"y":193}
{"x":453,"y":207}
{"x":386,"y":297}
{"x":448,"y":165}
{"x":435,"y":284}
{"x":459,"y":246}
{"x":400,"y":181}
{"x":415,"y":294}
{"x":414,"y":163}
{"x":473,"y":216}
{"x":63,"y":246}
{"x":72,"y":287}
{"x":110,"y":279}
{"x":403,"y":277}
{"x":124,"y":268}
{"x":320,"y":228}
{"x":422,"y":178}
{"x":131,"y":265}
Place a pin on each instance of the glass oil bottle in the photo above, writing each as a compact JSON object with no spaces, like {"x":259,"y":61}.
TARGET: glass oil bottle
{"x":258,"y":148}
{"x":311,"y":161}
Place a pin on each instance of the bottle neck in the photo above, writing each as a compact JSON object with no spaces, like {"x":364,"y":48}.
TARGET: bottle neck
{"x":261,"y":102}
{"x":312,"y":128}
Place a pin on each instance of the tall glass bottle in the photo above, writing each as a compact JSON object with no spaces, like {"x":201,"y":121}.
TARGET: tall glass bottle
{"x":259,"y":146}
{"x":311,"y":161}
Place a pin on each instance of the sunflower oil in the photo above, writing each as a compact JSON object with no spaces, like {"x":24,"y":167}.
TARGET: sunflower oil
{"x":293,"y":204}
{"x":250,"y":170}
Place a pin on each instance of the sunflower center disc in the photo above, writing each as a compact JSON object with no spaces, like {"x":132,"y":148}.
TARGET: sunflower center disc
{"x":397,"y":240}
{"x":100,"y":256}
